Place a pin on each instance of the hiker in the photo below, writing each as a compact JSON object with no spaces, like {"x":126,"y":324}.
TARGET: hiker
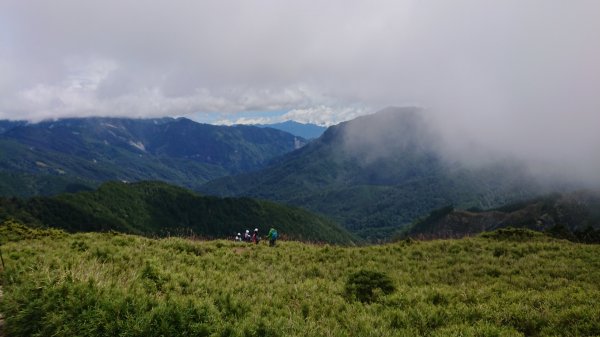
{"x":255,"y":237}
{"x":272,"y":236}
{"x":247,"y":236}
{"x":238,"y":237}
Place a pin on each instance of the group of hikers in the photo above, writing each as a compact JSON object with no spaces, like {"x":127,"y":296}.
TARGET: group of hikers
{"x":255,"y":238}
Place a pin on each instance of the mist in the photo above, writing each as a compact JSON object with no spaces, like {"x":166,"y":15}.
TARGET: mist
{"x":505,"y":79}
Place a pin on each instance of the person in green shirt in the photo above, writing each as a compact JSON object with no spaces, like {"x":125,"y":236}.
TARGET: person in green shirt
{"x":272,"y":236}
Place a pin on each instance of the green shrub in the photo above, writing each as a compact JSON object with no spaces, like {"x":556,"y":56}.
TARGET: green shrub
{"x":512,"y":234}
{"x":79,"y":246}
{"x":499,"y":251}
{"x":364,"y":285}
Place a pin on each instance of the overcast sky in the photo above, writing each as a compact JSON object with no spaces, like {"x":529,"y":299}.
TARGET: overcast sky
{"x":324,"y":61}
{"x":507,"y":73}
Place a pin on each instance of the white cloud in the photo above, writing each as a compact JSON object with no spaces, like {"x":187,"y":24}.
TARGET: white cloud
{"x":325,"y":115}
{"x":247,"y":121}
{"x":83,"y":93}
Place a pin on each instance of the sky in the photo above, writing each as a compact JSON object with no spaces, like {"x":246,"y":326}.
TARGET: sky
{"x":514,"y":76}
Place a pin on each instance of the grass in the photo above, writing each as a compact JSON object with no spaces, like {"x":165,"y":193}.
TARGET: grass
{"x":109,"y":284}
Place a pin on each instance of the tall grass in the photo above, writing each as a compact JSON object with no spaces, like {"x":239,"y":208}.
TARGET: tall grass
{"x":120,"y":285}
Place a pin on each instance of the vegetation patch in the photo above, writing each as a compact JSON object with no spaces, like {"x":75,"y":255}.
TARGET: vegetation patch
{"x":365,"y":285}
{"x":13,"y":230}
{"x":108,"y":284}
{"x":512,"y":234}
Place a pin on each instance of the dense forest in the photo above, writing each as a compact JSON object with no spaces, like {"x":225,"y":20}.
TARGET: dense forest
{"x":154,"y":208}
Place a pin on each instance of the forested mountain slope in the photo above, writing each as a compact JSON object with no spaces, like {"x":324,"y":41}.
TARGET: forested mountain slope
{"x":92,"y":150}
{"x":154,"y":208}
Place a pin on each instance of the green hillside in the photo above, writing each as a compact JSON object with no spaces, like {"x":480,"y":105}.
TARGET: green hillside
{"x":378,"y":173}
{"x":154,"y":208}
{"x":21,"y":183}
{"x":29,"y":172}
{"x":575,"y":213}
{"x":91,"y":284}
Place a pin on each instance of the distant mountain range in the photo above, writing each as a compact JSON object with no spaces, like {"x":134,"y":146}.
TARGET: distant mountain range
{"x":576,"y":211}
{"x":154,"y":208}
{"x":377,"y":173}
{"x":373,"y":175}
{"x":307,"y":131}
{"x":55,"y":156}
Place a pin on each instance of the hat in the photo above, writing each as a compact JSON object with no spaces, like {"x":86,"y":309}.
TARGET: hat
{"x":239,"y":234}
{"x":247,"y":231}
{"x":256,"y":229}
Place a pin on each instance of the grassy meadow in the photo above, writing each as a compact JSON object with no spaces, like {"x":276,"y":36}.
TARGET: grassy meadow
{"x":106,"y":284}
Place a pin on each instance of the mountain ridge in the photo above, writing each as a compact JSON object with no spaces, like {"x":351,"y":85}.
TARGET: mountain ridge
{"x":379,"y":171}
{"x":575,"y":211}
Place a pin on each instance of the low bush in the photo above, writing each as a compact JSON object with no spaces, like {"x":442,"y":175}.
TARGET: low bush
{"x":512,"y":234}
{"x":365,"y":285}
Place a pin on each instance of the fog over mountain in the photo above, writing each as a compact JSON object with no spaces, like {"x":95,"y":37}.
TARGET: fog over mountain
{"x":565,"y":155}
{"x":507,"y":79}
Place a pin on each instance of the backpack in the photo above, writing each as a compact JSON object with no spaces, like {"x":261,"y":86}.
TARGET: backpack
{"x":274,"y":235}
